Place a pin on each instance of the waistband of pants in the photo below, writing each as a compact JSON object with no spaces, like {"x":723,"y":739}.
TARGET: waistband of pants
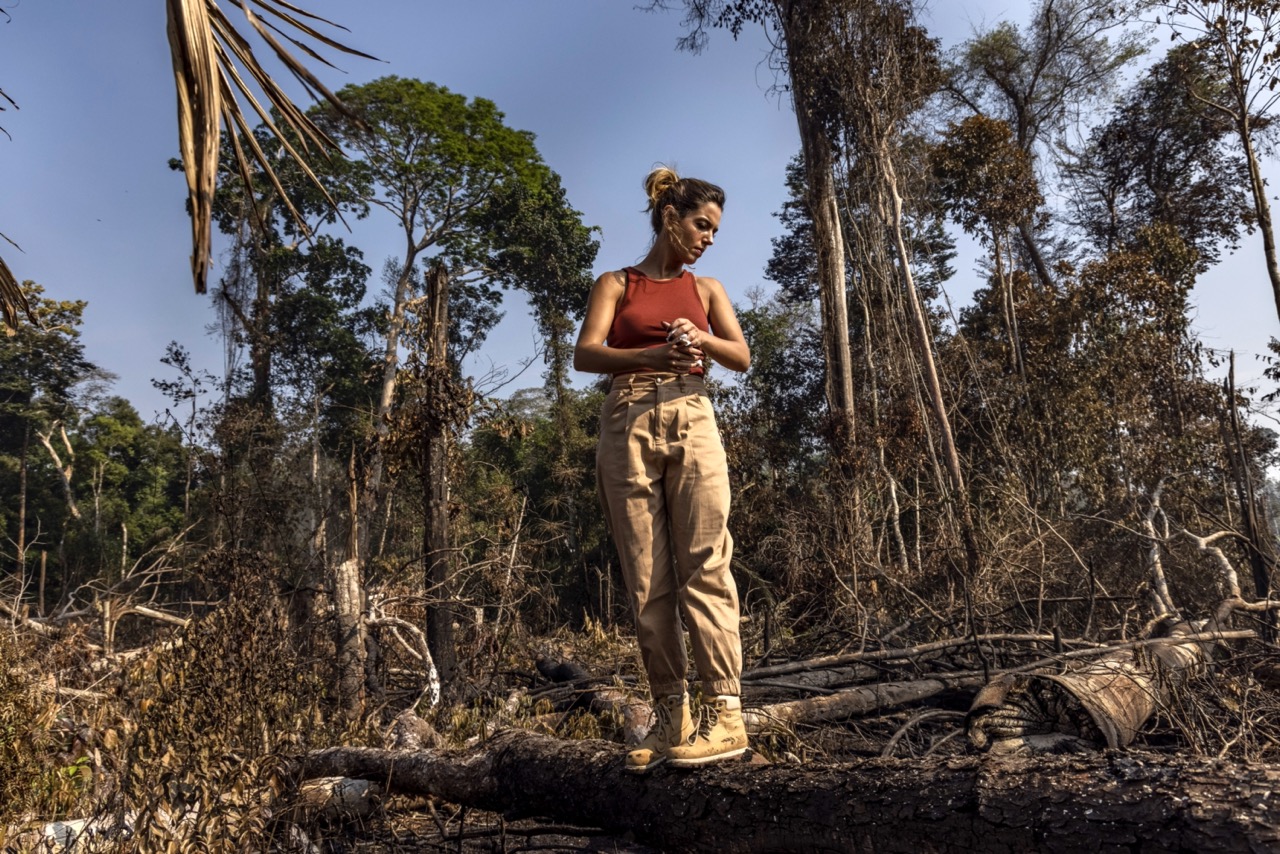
{"x":654,"y":379}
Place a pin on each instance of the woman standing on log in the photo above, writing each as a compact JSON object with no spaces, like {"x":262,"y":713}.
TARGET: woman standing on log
{"x":663,"y":476}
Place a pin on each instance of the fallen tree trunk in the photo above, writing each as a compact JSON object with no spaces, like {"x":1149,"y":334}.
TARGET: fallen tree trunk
{"x":907,"y":653}
{"x":1112,"y":801}
{"x":816,"y":681}
{"x":852,"y":702}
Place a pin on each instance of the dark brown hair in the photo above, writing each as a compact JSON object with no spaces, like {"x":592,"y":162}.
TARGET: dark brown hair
{"x":664,"y":187}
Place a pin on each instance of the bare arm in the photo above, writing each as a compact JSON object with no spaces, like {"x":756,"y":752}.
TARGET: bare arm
{"x":592,"y":356}
{"x":725,"y":344}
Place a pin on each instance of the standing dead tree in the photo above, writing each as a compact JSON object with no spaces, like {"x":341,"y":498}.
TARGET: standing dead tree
{"x":1040,"y":80}
{"x":856,"y":71}
{"x":438,"y":404}
{"x":1241,"y":38}
{"x":802,"y":29}
{"x":435,"y":472}
{"x":887,"y":66}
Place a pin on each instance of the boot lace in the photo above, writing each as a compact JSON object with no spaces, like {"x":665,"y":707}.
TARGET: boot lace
{"x":662,"y":724}
{"x":708,"y":717}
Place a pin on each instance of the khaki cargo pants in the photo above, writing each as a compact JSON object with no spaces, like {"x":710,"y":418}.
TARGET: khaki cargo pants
{"x":664,"y":483}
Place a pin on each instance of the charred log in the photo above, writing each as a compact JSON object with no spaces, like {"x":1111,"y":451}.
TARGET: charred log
{"x":1112,"y":801}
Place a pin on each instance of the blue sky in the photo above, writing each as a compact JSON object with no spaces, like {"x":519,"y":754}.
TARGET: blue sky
{"x":88,"y":195}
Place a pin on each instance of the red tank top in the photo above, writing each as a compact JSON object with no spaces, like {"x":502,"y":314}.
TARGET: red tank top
{"x":646,"y":303}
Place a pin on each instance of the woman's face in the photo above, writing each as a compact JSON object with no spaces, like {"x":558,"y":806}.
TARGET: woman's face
{"x":694,"y":233}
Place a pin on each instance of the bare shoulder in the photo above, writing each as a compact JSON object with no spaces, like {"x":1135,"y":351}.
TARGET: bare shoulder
{"x":710,"y":288}
{"x":612,"y":281}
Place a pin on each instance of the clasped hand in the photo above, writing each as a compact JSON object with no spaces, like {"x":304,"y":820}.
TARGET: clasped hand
{"x":684,"y":352}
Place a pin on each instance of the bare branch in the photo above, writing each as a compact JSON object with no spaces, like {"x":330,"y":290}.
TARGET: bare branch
{"x":1159,"y":583}
{"x":65,"y":470}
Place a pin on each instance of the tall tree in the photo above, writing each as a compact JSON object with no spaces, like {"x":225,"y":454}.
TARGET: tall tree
{"x":1039,"y":80}
{"x":40,"y":366}
{"x":292,"y":300}
{"x":857,"y":70}
{"x":133,"y":478}
{"x":807,"y":29}
{"x":987,"y":183}
{"x":544,"y":249}
{"x":271,"y":213}
{"x":1113,"y":348}
{"x":1240,"y":41}
{"x":1163,"y":157}
{"x":437,"y":163}
{"x":432,"y":160}
{"x":888,"y":66}
{"x":548,"y":253}
{"x":803,"y":31}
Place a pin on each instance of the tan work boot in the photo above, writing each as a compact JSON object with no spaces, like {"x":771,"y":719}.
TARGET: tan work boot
{"x":672,"y":725}
{"x":720,"y":735}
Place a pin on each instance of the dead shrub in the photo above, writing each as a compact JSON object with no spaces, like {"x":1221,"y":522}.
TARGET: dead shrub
{"x":42,"y":774}
{"x":216,"y":714}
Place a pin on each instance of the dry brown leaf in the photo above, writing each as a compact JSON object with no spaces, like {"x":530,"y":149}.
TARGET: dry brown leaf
{"x":206,"y":49}
{"x":208,"y":55}
{"x":12,"y":299}
{"x":196,"y":75}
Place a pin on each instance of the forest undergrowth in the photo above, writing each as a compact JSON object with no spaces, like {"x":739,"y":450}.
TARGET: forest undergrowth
{"x":190,"y":736}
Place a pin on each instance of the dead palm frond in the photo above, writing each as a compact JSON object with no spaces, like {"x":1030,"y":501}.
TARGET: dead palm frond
{"x":11,"y":300}
{"x":209,"y":55}
{"x":11,"y":297}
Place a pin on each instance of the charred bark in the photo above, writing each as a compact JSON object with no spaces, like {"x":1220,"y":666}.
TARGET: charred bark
{"x":348,"y":602}
{"x":852,"y":702}
{"x":435,"y":479}
{"x":801,"y":23}
{"x":1111,"y":802}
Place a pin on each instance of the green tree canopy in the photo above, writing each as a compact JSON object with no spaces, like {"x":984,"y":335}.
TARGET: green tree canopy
{"x":431,"y":158}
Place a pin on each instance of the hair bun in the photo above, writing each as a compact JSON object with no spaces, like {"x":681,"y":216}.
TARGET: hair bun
{"x":669,"y":194}
{"x":661,"y":179}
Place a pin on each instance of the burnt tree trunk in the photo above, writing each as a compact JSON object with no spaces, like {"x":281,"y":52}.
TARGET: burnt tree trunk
{"x":22,"y":502}
{"x":1257,"y":181}
{"x":348,"y":603}
{"x":435,"y":479}
{"x":1111,"y":802}
{"x":803,"y":30}
{"x":1032,"y":246}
